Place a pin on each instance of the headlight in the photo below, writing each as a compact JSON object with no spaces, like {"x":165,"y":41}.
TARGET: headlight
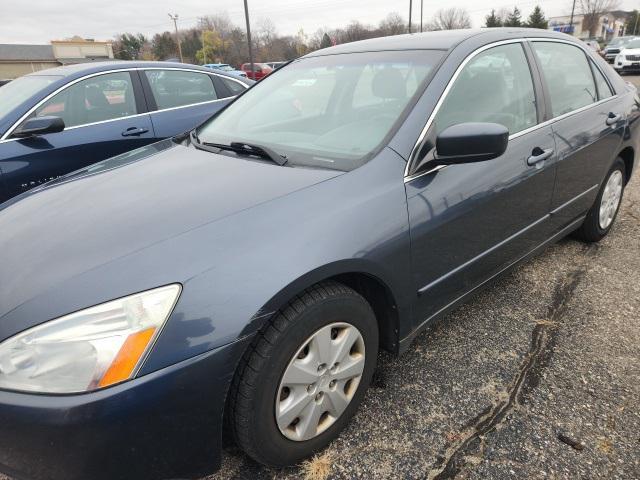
{"x":89,"y":349}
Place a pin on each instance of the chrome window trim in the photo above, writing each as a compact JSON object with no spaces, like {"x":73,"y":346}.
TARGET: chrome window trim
{"x":408,"y":178}
{"x":5,"y":137}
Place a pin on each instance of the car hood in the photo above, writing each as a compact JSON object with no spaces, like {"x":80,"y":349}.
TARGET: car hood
{"x":123,"y":205}
{"x":630,"y":51}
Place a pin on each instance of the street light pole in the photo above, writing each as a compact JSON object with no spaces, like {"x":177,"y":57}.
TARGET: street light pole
{"x":174,"y":17}
{"x":246,"y":16}
{"x":421,"y":8}
{"x":573,"y":9}
{"x":410,"y":5}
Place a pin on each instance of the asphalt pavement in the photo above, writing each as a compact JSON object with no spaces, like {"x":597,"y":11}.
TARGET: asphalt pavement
{"x":538,"y":376}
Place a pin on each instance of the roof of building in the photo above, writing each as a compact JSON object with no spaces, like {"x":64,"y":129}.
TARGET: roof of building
{"x":13,"y":52}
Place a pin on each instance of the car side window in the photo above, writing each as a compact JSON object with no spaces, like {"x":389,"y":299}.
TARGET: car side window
{"x":236,"y":88}
{"x":604,"y":89}
{"x":96,"y":99}
{"x":567,"y":74}
{"x":177,"y":88}
{"x":495,"y":86}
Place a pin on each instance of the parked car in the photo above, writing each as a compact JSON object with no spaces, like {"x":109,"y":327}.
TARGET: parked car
{"x":4,"y":82}
{"x":225,"y":67}
{"x":628,"y":60}
{"x":276,"y":65}
{"x":249,"y":273}
{"x":613,"y":48}
{"x":59,"y":120}
{"x":261,"y":70}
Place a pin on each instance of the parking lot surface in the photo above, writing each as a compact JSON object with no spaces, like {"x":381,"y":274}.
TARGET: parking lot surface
{"x":538,"y":376}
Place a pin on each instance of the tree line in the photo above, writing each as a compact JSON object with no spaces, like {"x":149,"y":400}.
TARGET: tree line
{"x":216,"y":39}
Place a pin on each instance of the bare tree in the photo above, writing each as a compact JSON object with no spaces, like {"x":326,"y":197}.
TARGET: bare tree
{"x":450,"y":19}
{"x":394,"y":24}
{"x":265,"y":32}
{"x":353,"y":32}
{"x":592,"y":10}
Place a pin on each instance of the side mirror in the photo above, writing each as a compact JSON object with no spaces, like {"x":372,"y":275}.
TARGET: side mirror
{"x":39,"y":126}
{"x":471,"y":142}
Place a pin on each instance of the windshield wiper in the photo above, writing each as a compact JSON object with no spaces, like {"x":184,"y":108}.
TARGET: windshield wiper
{"x":250,"y":149}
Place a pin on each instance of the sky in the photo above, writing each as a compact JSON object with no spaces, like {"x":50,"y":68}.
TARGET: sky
{"x":39,"y":21}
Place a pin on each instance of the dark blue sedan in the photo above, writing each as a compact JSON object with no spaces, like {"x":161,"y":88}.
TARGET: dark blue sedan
{"x":59,"y":120}
{"x":248,"y":273}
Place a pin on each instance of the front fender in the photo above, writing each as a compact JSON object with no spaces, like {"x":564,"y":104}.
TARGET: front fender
{"x":256,"y":260}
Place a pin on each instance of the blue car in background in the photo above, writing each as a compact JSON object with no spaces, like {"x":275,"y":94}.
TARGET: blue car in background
{"x":225,"y":67}
{"x":59,"y":120}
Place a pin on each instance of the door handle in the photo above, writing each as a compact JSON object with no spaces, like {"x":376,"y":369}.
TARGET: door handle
{"x":539,"y":155}
{"x":134,"y":131}
{"x":612,"y":118}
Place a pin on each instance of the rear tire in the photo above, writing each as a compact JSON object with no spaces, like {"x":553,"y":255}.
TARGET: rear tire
{"x":604,"y":210}
{"x":286,"y":366}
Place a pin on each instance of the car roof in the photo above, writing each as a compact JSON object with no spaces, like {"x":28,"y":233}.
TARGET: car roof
{"x":82,"y":69}
{"x":438,"y":40}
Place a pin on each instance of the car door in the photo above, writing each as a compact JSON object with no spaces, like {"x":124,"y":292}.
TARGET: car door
{"x":103,"y":115}
{"x":181,"y":100}
{"x":470,"y":221}
{"x":587,"y":123}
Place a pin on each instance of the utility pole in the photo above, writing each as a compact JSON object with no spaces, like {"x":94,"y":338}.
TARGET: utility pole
{"x":246,"y":16}
{"x":573,"y":9}
{"x":421,"y":8}
{"x":174,"y":17}
{"x":410,"y":5}
{"x":204,"y":49}
{"x":635,"y":26}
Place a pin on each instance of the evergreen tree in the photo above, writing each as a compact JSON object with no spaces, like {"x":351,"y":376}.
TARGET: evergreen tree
{"x":326,"y":41}
{"x":537,"y":19}
{"x":514,"y":19}
{"x":493,"y":20}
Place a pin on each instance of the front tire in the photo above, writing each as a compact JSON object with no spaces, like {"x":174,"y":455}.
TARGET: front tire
{"x":604,"y":210}
{"x":304,"y":375}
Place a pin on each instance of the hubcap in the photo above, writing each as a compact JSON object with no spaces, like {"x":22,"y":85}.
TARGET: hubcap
{"x":320,"y":381}
{"x":610,"y":199}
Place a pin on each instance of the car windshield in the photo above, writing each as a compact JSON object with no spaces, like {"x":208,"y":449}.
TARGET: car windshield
{"x":14,"y":93}
{"x":635,"y":43}
{"x":329,"y":111}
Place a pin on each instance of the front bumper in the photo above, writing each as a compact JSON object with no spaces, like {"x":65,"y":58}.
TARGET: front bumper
{"x":167,"y":424}
{"x":624,"y":65}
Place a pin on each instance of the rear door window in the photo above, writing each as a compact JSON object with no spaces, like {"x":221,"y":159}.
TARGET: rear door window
{"x":567,"y":74}
{"x":604,"y":89}
{"x":177,"y":88}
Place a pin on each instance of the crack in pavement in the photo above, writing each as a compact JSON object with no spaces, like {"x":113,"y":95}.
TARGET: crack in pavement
{"x":471,"y":440}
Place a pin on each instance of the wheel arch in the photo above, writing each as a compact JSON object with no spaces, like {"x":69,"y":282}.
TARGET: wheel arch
{"x":359,"y":275}
{"x":628,"y":156}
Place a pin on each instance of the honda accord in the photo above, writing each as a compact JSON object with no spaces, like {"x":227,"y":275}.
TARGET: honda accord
{"x":247,"y":273}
